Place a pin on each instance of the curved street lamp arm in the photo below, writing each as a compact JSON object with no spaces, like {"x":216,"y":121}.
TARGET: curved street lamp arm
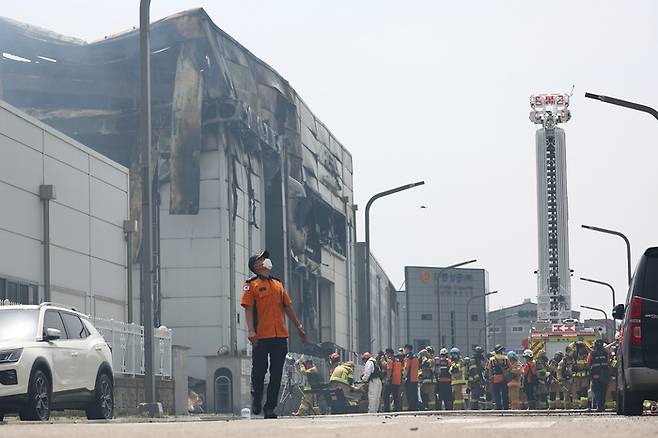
{"x":628,"y":245}
{"x":614,"y":303}
{"x":624,"y":103}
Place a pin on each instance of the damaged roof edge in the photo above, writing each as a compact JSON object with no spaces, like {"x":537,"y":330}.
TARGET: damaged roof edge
{"x":202,"y":15}
{"x":42,"y":33}
{"x":55,"y":133}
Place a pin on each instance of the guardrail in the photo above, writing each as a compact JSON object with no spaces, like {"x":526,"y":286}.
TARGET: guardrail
{"x":127,"y":342}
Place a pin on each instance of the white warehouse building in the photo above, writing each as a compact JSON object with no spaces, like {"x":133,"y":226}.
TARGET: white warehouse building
{"x":87,"y":198}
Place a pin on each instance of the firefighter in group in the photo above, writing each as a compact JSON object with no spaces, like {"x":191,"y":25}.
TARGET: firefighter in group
{"x":599,"y":371}
{"x":529,"y":378}
{"x":426,"y":376}
{"x":475,"y":373}
{"x":443,"y":386}
{"x":457,"y":379}
{"x":541,"y":390}
{"x":343,"y":378}
{"x":372,"y":375}
{"x":467,"y":364}
{"x":499,"y":366}
{"x":411,"y":365}
{"x":514,"y":380}
{"x":565,"y":373}
{"x":555,"y":395}
{"x":611,"y":391}
{"x":309,"y":402}
{"x":392,"y":381}
{"x":581,"y":375}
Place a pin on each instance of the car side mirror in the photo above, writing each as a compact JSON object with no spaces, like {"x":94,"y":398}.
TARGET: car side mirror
{"x":52,"y":334}
{"x":618,"y":311}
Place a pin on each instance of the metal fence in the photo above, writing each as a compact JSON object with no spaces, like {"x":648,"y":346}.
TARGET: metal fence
{"x":127,"y":342}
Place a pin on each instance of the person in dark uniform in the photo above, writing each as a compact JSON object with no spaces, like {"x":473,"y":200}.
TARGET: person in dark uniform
{"x":266,"y":305}
{"x":599,"y":371}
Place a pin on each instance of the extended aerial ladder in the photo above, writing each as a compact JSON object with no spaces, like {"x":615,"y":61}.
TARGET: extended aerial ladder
{"x":553,"y":273}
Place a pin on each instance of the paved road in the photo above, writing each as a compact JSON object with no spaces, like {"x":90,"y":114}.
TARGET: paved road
{"x":471,"y":426}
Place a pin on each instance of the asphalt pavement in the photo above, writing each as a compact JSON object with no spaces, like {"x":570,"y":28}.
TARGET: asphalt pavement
{"x":491,"y":425}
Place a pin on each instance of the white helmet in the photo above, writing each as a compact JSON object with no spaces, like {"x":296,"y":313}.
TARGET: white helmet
{"x":443,"y":352}
{"x":528,"y":354}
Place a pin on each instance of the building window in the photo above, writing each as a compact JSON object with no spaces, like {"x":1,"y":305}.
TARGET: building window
{"x":517,"y":329}
{"x":419,"y":344}
{"x":18,"y":293}
{"x":426,"y":317}
{"x":474,"y":317}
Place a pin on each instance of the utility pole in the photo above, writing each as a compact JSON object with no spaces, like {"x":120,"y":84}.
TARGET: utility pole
{"x":150,"y":407}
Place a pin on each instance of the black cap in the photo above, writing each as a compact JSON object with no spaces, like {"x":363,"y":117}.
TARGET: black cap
{"x":390,"y":350}
{"x":252,"y":260}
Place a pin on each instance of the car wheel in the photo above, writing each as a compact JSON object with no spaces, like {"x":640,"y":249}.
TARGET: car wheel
{"x":632,"y":403}
{"x":38,"y":402}
{"x":102,"y":406}
{"x":2,"y":417}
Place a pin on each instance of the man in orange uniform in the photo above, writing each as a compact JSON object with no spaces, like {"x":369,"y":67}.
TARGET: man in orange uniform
{"x":266,"y":305}
{"x":393,"y":381}
{"x":411,"y":365}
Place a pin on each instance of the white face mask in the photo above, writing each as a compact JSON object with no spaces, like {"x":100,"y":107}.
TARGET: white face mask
{"x":267,"y":264}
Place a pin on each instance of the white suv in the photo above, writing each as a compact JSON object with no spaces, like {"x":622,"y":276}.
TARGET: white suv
{"x":52,"y":358}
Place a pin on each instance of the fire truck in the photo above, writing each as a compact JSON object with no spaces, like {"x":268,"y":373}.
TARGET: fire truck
{"x":553,"y":337}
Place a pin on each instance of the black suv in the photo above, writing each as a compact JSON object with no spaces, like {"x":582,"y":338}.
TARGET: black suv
{"x":637,"y":375}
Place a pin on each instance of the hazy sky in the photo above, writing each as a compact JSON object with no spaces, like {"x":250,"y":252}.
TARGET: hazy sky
{"x":439,"y":90}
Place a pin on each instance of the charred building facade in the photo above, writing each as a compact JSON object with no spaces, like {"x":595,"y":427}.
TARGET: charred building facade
{"x":243,"y":165}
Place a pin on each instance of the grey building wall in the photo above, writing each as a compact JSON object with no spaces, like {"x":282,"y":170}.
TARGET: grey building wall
{"x":380,"y":330}
{"x":443,"y":322}
{"x":88,"y":250}
{"x":511,"y":325}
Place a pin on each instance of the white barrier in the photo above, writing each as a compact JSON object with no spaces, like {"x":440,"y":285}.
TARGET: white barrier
{"x":127,"y":342}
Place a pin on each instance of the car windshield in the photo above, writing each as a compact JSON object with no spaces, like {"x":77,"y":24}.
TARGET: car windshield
{"x":18,"y":324}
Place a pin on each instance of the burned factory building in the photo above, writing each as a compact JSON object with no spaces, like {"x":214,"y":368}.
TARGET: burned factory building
{"x":243,"y":165}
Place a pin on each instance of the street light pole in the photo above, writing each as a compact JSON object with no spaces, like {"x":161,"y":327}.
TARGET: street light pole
{"x":612,"y":289}
{"x":438,"y":297}
{"x":146,"y":281}
{"x":367,"y":276}
{"x":628,"y":245}
{"x":480,"y":336}
{"x":605,"y":315}
{"x":468,"y":317}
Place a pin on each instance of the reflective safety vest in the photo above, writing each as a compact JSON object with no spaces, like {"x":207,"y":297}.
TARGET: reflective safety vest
{"x":515,"y":374}
{"x":342,"y":374}
{"x":394,"y":375}
{"x":599,"y":367}
{"x":580,"y":368}
{"x":457,"y":373}
{"x":426,"y":373}
{"x":443,"y":370}
{"x":542,"y":371}
{"x":499,"y":366}
{"x":411,"y":368}
{"x":475,"y":373}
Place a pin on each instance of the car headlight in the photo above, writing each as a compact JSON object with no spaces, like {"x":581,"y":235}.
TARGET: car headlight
{"x":10,"y":356}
